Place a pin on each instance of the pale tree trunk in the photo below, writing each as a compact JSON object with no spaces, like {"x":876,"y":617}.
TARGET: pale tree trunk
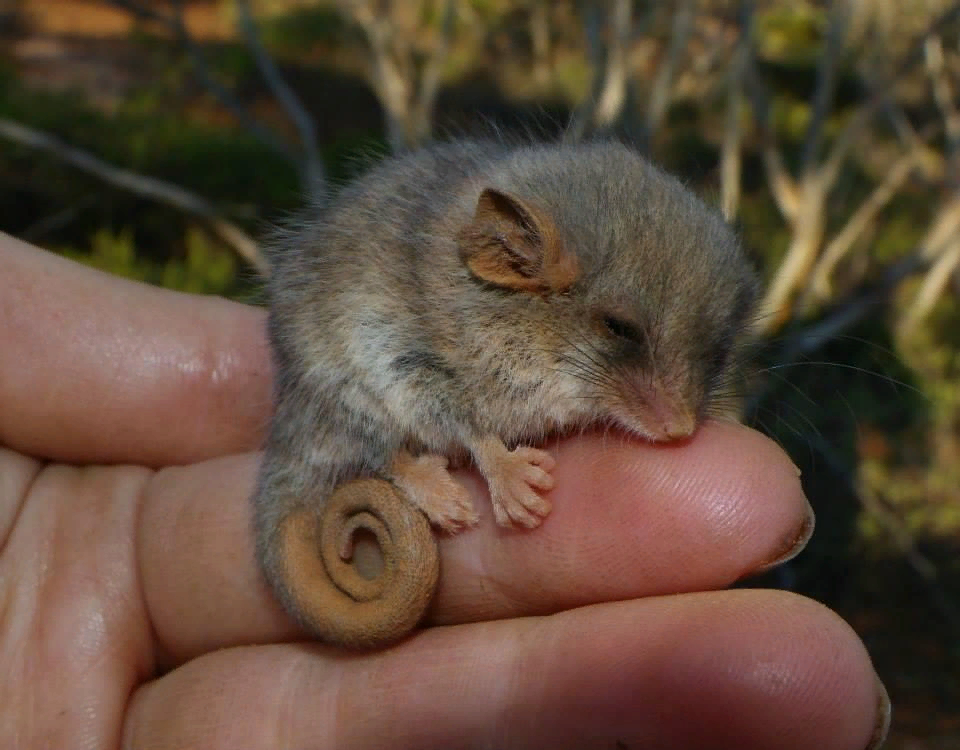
{"x":540,"y":40}
{"x":407,"y":91}
{"x":935,"y":283}
{"x":807,"y":237}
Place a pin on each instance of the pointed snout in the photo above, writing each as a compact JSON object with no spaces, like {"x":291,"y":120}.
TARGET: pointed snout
{"x":664,"y":414}
{"x":671,"y":421}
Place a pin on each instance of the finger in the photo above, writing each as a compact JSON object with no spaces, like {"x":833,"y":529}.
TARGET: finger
{"x":737,"y":669}
{"x":165,"y":377}
{"x":629,"y":520}
{"x":632,"y":519}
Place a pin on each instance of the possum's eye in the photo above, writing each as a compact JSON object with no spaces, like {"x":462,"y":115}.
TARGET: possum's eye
{"x":624,"y":330}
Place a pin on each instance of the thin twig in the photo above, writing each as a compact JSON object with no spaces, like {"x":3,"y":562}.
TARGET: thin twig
{"x":613,"y":93}
{"x":934,"y":284}
{"x":147,"y":187}
{"x":391,"y":73}
{"x":539,"y":30}
{"x":943,"y":96}
{"x":56,"y":221}
{"x":585,"y":117}
{"x":815,"y":186}
{"x":823,"y":93}
{"x":176,"y":26}
{"x":662,"y":90}
{"x":430,"y":76}
{"x":866,"y":214}
{"x":784,"y":189}
{"x":731,"y":157}
{"x":851,"y":133}
{"x":584,"y":114}
{"x":845,"y":315}
{"x":289,"y":101}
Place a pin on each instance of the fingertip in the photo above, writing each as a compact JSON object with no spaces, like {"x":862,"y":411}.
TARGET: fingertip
{"x":631,"y":519}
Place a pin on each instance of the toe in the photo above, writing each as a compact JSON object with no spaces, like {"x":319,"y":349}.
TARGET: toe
{"x":537,"y":477}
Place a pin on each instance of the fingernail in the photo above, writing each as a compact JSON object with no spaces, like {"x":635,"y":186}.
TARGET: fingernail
{"x":884,"y":712}
{"x":794,"y":545}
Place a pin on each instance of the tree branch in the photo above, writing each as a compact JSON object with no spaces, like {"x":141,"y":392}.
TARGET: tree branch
{"x":146,"y":187}
{"x":943,"y":96}
{"x":731,"y":158}
{"x":933,"y":286}
{"x":430,"y":78}
{"x":407,"y":102}
{"x":866,"y":214}
{"x":291,"y":104}
{"x":660,"y":94}
{"x":175,"y":25}
{"x":613,"y":93}
{"x":849,"y":135}
{"x":782,"y":186}
{"x":609,"y":73}
{"x":539,"y":29}
{"x":823,"y":94}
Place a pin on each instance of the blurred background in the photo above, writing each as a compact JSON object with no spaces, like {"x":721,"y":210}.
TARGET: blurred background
{"x":157,"y":140}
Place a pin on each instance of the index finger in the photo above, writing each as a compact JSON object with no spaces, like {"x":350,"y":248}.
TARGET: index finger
{"x":162,"y":377}
{"x":630,"y":520}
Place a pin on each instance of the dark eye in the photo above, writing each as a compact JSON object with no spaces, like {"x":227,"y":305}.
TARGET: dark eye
{"x":624,"y":330}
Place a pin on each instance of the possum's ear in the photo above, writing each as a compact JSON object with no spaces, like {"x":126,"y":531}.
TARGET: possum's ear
{"x":511,"y":244}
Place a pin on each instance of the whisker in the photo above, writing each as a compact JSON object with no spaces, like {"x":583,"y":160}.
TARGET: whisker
{"x":844,"y":366}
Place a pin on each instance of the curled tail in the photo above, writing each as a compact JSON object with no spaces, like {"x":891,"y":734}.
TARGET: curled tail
{"x":357,"y":568}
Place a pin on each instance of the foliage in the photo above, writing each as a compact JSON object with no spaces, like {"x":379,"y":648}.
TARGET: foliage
{"x":202,"y":268}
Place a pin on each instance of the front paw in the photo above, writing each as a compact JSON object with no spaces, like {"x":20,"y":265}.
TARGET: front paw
{"x":428,"y":485}
{"x":514,"y":484}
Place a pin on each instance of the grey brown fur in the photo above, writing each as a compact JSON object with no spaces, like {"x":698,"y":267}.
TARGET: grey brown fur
{"x":387,"y":341}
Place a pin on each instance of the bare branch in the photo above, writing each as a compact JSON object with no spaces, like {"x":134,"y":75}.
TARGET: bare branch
{"x":730,"y":160}
{"x":854,"y":128}
{"x":935,"y":283}
{"x":584,"y":112}
{"x":291,"y":104}
{"x":730,"y":156}
{"x":660,"y":94}
{"x":390,"y":83}
{"x":609,"y":71}
{"x":847,"y":313}
{"x":407,"y":97}
{"x":944,"y":226}
{"x":808,"y":228}
{"x":146,"y":187}
{"x":613,"y":94}
{"x":784,"y":189}
{"x":823,"y":94}
{"x":813,"y":189}
{"x":539,"y":25}
{"x":786,"y":192}
{"x":864,"y":216}
{"x":943,"y":95}
{"x":426,"y":93}
{"x":55,"y":221}
{"x":175,"y":25}
{"x":941,"y":247}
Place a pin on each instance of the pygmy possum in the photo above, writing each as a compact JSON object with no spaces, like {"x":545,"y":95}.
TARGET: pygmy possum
{"x":463,"y":303}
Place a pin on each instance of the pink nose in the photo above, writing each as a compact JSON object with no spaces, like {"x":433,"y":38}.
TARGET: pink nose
{"x":669,"y":417}
{"x":673,"y":425}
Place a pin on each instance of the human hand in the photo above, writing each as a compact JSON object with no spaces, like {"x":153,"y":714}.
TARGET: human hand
{"x":132,"y":613}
